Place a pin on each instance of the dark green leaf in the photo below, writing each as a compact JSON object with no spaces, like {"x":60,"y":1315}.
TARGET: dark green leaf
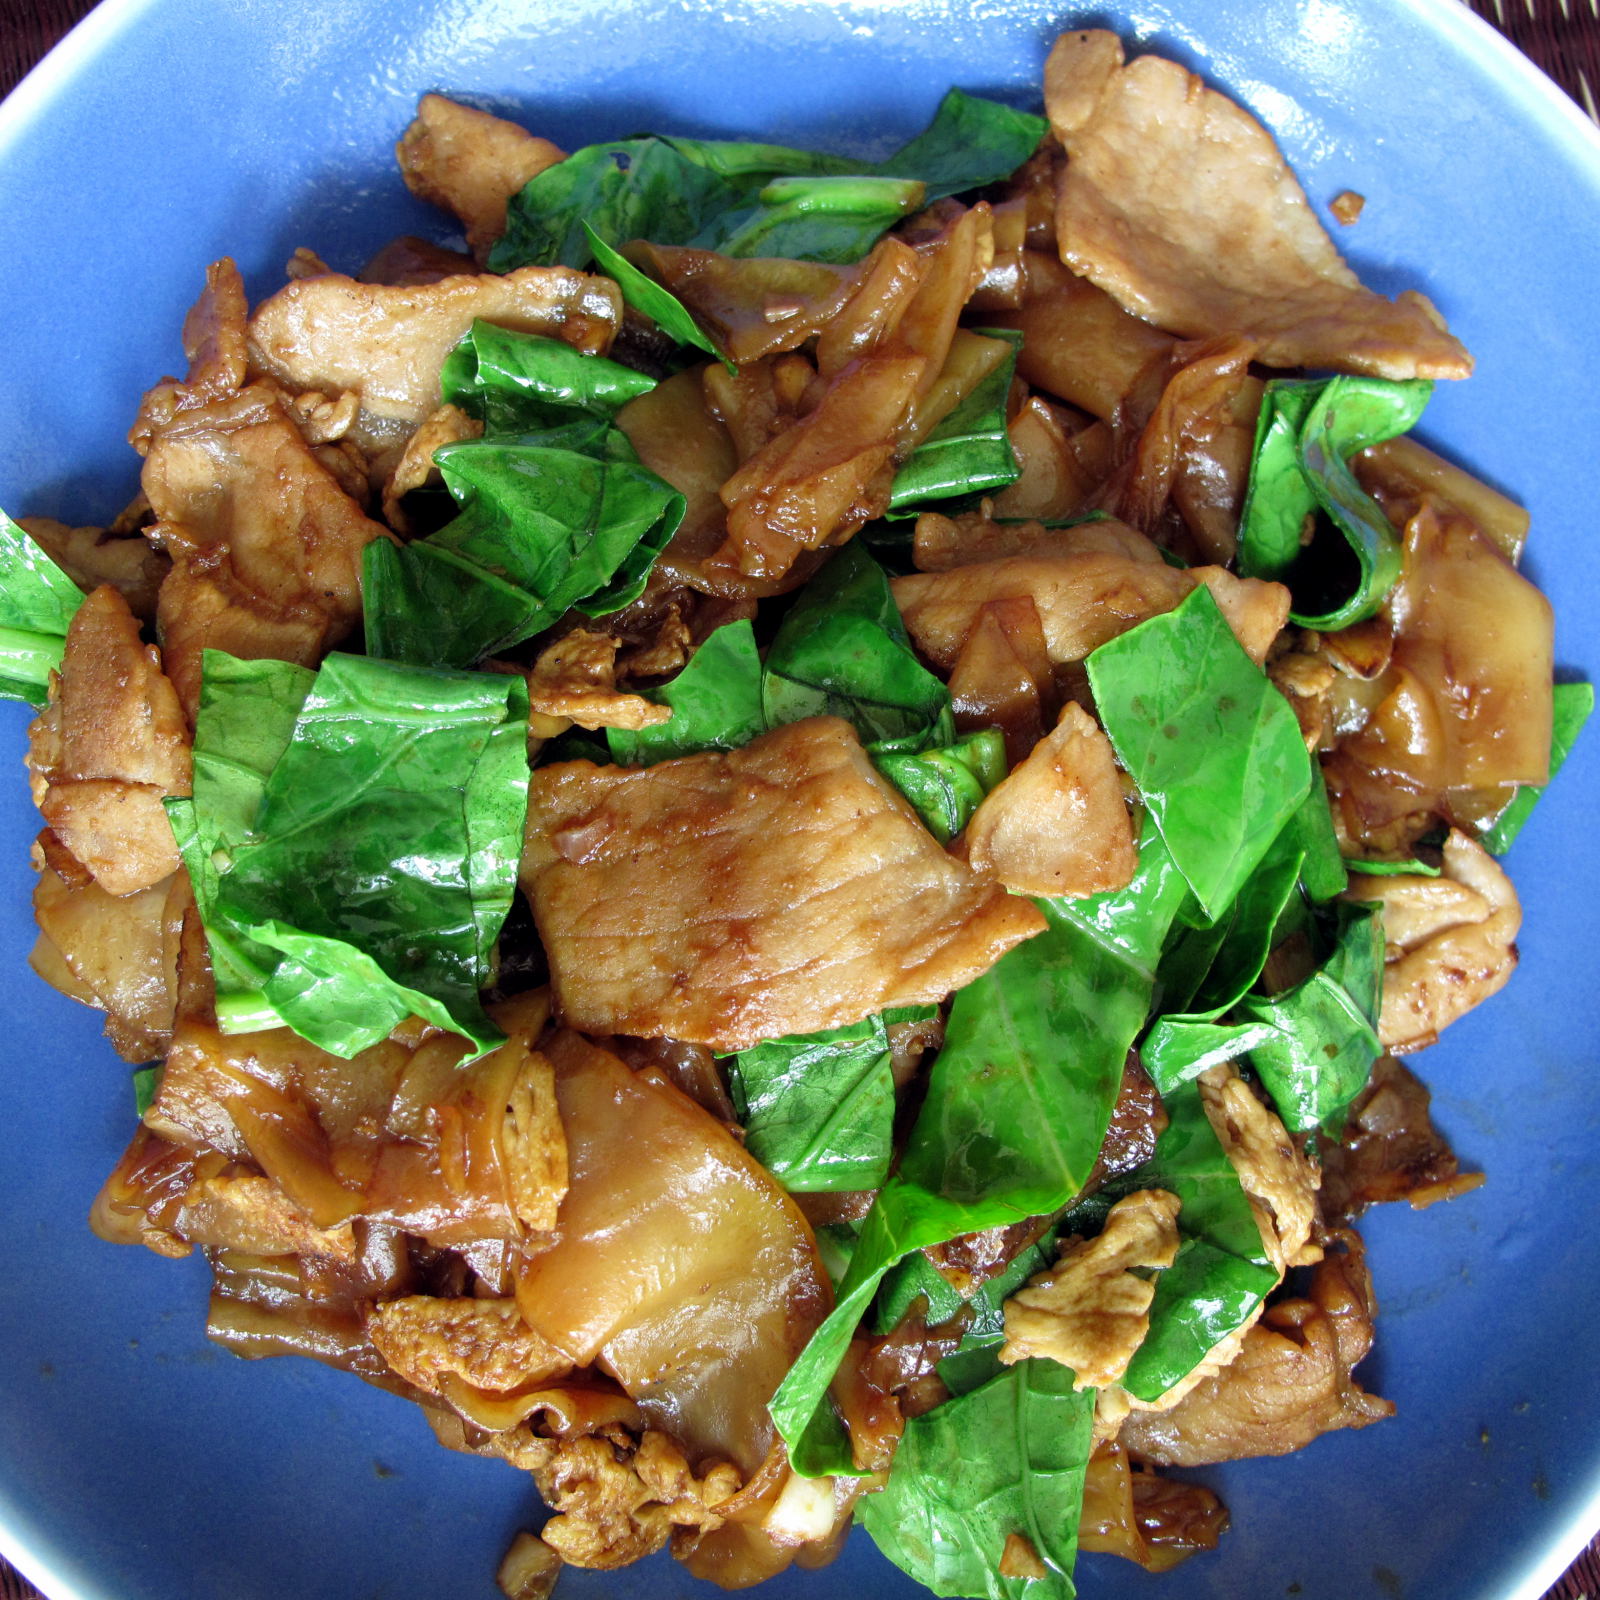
{"x":1322,"y":871}
{"x":970,"y":451}
{"x":842,"y":651}
{"x":715,"y":700}
{"x":751,"y":199}
{"x":354,"y":840}
{"x":1178,"y":1049}
{"x":836,"y":218}
{"x":1214,"y":748}
{"x":1277,"y":501}
{"x":1390,"y":869}
{"x":630,"y":189}
{"x":1327,"y":421}
{"x":1008,"y":1457}
{"x":947,"y":784}
{"x":1205,"y":1295}
{"x":970,"y":142}
{"x":1017,"y":1108}
{"x":746,"y":164}
{"x":37,"y":604}
{"x":818,"y":1109}
{"x":1210,"y":965}
{"x":519,"y":382}
{"x":146,"y":1080}
{"x":542,"y":528}
{"x":1325,"y":1029}
{"x":1020,"y":1096}
{"x":1225,"y":1274}
{"x":644,"y":294}
{"x":1571,"y":705}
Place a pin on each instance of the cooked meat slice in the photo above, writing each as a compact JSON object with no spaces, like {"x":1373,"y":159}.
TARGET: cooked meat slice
{"x":470,"y":163}
{"x":1306,"y":681}
{"x":214,"y":334}
{"x":612,"y":1507}
{"x":1449,"y":941}
{"x":1084,"y":599}
{"x":109,"y":746}
{"x":415,"y":468}
{"x":576,"y":677}
{"x":92,"y":556}
{"x":1091,"y":1310}
{"x":727,"y":898}
{"x":266,"y":546}
{"x":1057,"y":824}
{"x":1390,"y":1150}
{"x":1280,"y":1179}
{"x":1292,"y":1379}
{"x":1177,"y":202}
{"x":533,"y":1147}
{"x":246,"y":1211}
{"x":387,"y":342}
{"x":484,"y":1343}
{"x":120,"y":950}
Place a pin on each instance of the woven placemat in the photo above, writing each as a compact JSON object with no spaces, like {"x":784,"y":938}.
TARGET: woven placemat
{"x":1562,"y":36}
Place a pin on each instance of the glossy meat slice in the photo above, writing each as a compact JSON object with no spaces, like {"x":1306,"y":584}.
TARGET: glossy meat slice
{"x":470,"y":163}
{"x":116,"y":953}
{"x":1057,"y":825}
{"x":1091,"y":1310}
{"x":727,"y":898}
{"x":1178,"y":203}
{"x":266,"y":546}
{"x":108,"y":748}
{"x":1084,"y":599}
{"x":387,"y":342}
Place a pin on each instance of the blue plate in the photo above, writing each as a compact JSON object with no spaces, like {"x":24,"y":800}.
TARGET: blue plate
{"x":136,"y":1463}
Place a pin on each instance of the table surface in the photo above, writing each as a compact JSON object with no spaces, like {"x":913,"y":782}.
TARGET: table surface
{"x":1562,"y":36}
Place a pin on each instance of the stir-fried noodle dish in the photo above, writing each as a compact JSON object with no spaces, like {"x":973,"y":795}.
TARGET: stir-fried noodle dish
{"x":769,"y":830}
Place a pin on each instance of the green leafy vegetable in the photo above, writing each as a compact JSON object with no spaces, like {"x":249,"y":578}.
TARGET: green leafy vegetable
{"x":843,"y":651}
{"x":543,"y":527}
{"x":818,"y":1109}
{"x":1572,"y":704}
{"x":519,"y":382}
{"x":1017,"y":1107}
{"x":1213,"y":746}
{"x":1391,"y":869}
{"x":146,"y":1081}
{"x":1008,"y":1457}
{"x":353,"y":839}
{"x":1222,"y":1272}
{"x":37,"y":604}
{"x":643,"y":293}
{"x":1178,"y":1049}
{"x":1324,"y":1035}
{"x":715,"y":700}
{"x":1306,"y":432}
{"x":834,"y":218}
{"x":947,"y":784}
{"x":970,"y":451}
{"x":971,"y":142}
{"x":629,"y":189}
{"x":749,"y":199}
